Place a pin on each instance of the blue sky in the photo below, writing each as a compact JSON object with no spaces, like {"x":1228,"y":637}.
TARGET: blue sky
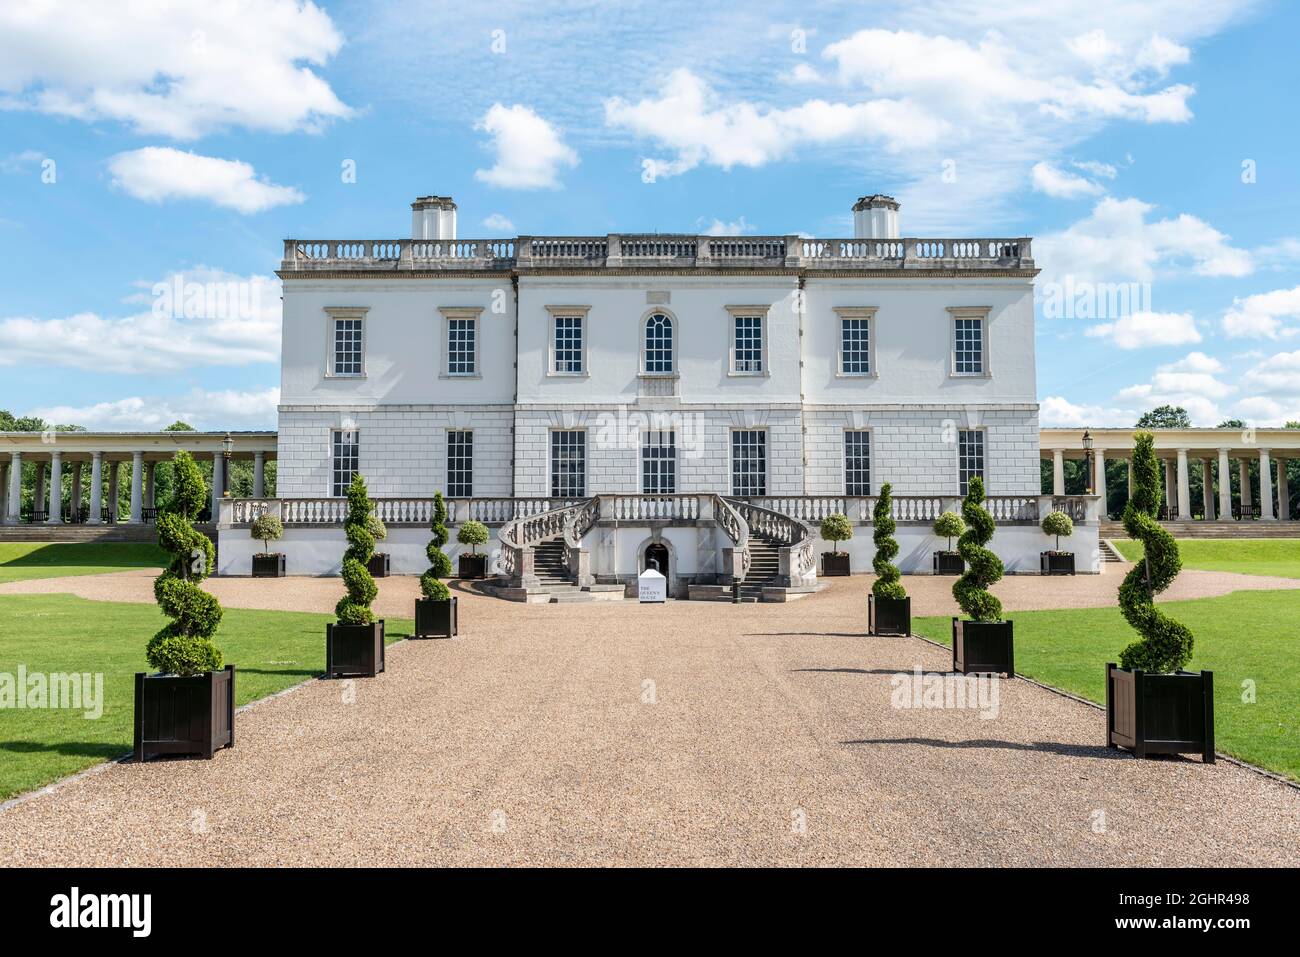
{"x":1150,"y":144}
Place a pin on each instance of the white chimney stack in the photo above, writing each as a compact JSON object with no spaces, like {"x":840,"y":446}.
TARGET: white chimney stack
{"x":875,"y":217}
{"x":433,"y":217}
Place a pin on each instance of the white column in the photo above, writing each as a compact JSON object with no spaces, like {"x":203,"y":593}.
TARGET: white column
{"x":1207,"y":490}
{"x":1099,"y":480}
{"x":55,"y":509}
{"x":137,"y":486}
{"x":259,"y":474}
{"x":15,"y":488}
{"x":218,"y":482}
{"x":1243,"y":489}
{"x":38,"y":489}
{"x":1184,"y":488}
{"x":114,"y":474}
{"x":149,"y":496}
{"x":1058,"y":471}
{"x":4,"y":493}
{"x":1225,"y":486}
{"x":74,"y":502}
{"x":96,"y":488}
{"x":1265,"y":487}
{"x":1170,"y":491}
{"x":1283,"y":492}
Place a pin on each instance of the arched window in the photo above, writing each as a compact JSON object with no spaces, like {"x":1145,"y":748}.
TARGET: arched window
{"x":658,"y":343}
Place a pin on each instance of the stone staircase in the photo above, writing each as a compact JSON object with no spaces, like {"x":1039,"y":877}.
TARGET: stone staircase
{"x":556,"y":584}
{"x":87,"y":533}
{"x":764,"y":565}
{"x":551,"y":564}
{"x":1250,"y":528}
{"x":1109,"y":553}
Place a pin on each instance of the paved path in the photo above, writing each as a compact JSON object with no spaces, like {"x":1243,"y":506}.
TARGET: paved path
{"x":688,"y":733}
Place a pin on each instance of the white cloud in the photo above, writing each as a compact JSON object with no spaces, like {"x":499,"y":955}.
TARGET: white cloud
{"x":218,"y":319}
{"x":1096,"y":168}
{"x":182,"y":69}
{"x":1138,"y":330}
{"x":1261,"y":316}
{"x":18,"y":162}
{"x":1060,"y":184}
{"x":1276,"y":375}
{"x":253,"y":409}
{"x":1057,"y":412}
{"x":1196,"y":362}
{"x":498,"y":223}
{"x":530,"y":152}
{"x":156,"y":174}
{"x":1266,"y":413}
{"x":1189,"y":383}
{"x":717,"y":227}
{"x":1117,"y":242}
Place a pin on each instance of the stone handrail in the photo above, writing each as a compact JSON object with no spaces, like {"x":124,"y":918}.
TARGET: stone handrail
{"x":654,"y":508}
{"x":735,"y":527}
{"x":795,"y":538}
{"x":520,"y":534}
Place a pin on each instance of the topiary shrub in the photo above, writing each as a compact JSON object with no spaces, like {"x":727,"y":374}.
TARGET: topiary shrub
{"x":983,"y":568}
{"x":268,"y":529}
{"x":1058,"y":523}
{"x":886,"y":584}
{"x":354,"y":607}
{"x":1165,"y":645}
{"x":378,"y":530}
{"x":473,"y":534}
{"x":439,"y":563}
{"x":949,"y":525}
{"x":836,"y":528}
{"x":184,"y":646}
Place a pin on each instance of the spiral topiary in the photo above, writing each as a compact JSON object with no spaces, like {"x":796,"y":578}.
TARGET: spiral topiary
{"x":886,"y":584}
{"x":983,"y":568}
{"x":184,"y":646}
{"x":1165,"y":645}
{"x":354,"y":607}
{"x":439,"y":563}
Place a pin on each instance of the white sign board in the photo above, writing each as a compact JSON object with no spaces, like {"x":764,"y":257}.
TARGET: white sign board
{"x":651,"y":586}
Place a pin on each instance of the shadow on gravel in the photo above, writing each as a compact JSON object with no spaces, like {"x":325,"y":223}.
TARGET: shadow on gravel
{"x":807,"y":634}
{"x":1045,"y":747}
{"x":863,"y":671}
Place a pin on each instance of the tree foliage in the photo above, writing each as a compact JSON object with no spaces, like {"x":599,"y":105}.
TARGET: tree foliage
{"x":983,"y":568}
{"x":1165,"y":417}
{"x":949,"y":525}
{"x":1058,"y":523}
{"x":354,"y":607}
{"x":886,"y":584}
{"x":836,"y":528}
{"x":473,"y":534}
{"x":439,"y":564}
{"x":267,"y":528}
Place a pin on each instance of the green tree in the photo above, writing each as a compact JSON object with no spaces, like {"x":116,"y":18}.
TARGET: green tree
{"x":473,"y":534}
{"x":835,"y":529}
{"x":1165,"y":417}
{"x":983,"y":568}
{"x":439,"y":564}
{"x":887,"y":584}
{"x":354,"y":607}
{"x":948,"y":525}
{"x":1232,"y":424}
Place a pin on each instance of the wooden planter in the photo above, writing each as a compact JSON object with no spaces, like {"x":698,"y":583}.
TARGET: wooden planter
{"x":982,"y":647}
{"x":1056,"y":563}
{"x":949,"y":563}
{"x":434,"y":618}
{"x":268,"y":565}
{"x":378,"y":565}
{"x":835,"y":564}
{"x":889,"y":616}
{"x":1160,"y":714}
{"x":473,"y":566}
{"x":190,"y":715}
{"x":354,"y":651}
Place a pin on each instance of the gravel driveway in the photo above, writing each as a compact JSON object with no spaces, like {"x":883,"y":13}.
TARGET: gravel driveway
{"x":688,"y":733}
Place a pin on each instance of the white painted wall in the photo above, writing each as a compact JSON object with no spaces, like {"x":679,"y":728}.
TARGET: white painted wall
{"x":319,"y":551}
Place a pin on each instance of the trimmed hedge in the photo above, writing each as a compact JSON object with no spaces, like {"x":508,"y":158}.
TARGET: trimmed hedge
{"x":439,"y":564}
{"x":887,"y":584}
{"x":983,"y":568}
{"x":354,"y":607}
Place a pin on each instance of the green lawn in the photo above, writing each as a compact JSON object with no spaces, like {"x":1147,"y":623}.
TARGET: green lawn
{"x":23,"y":560}
{"x":1249,"y":556}
{"x":1242,"y":636}
{"x":62,"y":633}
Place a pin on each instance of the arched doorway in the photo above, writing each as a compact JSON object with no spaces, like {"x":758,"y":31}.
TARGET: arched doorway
{"x":656,"y":557}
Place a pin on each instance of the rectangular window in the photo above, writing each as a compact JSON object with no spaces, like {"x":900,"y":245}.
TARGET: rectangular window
{"x":748,"y":344}
{"x":855,"y":346}
{"x":857,"y":463}
{"x":462,"y":346}
{"x":568,"y":464}
{"x":346,"y":460}
{"x":347,"y":347}
{"x":568,"y":344}
{"x":659,"y":462}
{"x":748,"y":462}
{"x":970,"y":457}
{"x":968,"y":346}
{"x":460,"y":464}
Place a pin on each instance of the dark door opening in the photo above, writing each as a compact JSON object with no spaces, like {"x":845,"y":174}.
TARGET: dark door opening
{"x":656,"y":557}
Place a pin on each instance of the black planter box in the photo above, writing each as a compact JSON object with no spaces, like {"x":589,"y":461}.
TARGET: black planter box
{"x":434,"y":618}
{"x":982,"y":647}
{"x":354,"y":651}
{"x":268,"y":566}
{"x":1056,"y":563}
{"x":889,"y":616}
{"x":190,"y":715}
{"x":378,"y":565}
{"x":473,"y":566}
{"x":949,"y":563}
{"x":835,"y":564}
{"x":1160,"y":714}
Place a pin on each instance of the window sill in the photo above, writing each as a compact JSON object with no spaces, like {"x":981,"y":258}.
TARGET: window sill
{"x":658,"y":375}
{"x":857,"y":375}
{"x":970,"y":375}
{"x":345,"y":375}
{"x":749,"y":375}
{"x":460,"y":375}
{"x":568,"y":375}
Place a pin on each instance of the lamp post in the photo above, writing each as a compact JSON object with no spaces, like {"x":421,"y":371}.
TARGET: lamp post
{"x":227,"y":450}
{"x":1088,"y":477}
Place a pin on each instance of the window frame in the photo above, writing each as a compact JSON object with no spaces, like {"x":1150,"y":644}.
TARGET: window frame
{"x":469,"y":314}
{"x":758,"y":312}
{"x":671,"y":460}
{"x":335,"y":436}
{"x":551,"y":473}
{"x":962,"y":483}
{"x":731,"y":460}
{"x":450,"y":491}
{"x":567,"y":312}
{"x":333,"y":315}
{"x":844,"y":461}
{"x":868,"y":315}
{"x":644,"y":370}
{"x":980,"y":313}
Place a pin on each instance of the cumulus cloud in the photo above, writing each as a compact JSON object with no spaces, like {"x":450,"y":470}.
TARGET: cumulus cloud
{"x":157,"y":174}
{"x":1262,"y":316}
{"x":530,"y":152}
{"x":1058,"y":412}
{"x":223,"y":409}
{"x":1061,"y":184}
{"x":498,"y":223}
{"x":181,"y":69}
{"x":1276,"y":375}
{"x":1138,"y":330}
{"x":717,"y":227}
{"x":1190,"y":382}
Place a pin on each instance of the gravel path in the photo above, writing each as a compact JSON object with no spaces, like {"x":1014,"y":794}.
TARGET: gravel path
{"x":688,"y":733}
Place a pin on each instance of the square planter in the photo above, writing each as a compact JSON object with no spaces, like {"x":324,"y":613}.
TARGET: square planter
{"x":434,"y":618}
{"x":473,"y":566}
{"x":184,"y":715}
{"x":889,"y":616}
{"x":949,"y":563}
{"x":268,"y":566}
{"x":1056,"y":563}
{"x":378,"y":565}
{"x":1160,"y":714}
{"x":835,"y":564}
{"x":982,"y":647}
{"x":354,"y":651}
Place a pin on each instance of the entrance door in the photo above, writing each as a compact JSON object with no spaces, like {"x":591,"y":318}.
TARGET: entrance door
{"x":656,"y":557}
